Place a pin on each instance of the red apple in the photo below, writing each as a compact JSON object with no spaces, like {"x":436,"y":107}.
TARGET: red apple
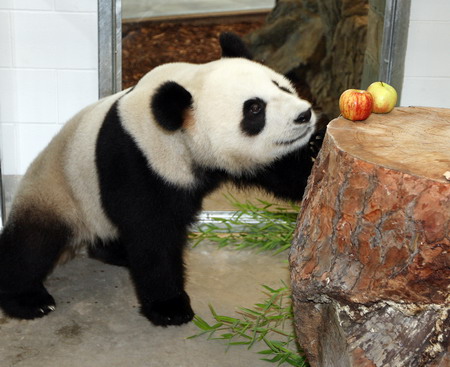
{"x":356,"y":104}
{"x":384,"y":97}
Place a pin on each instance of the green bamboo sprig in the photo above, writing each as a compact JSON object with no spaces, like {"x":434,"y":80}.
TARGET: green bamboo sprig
{"x":271,"y":227}
{"x":269,"y":322}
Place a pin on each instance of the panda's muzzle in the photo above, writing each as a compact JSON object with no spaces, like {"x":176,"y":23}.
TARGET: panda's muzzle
{"x":292,"y":141}
{"x":304,"y":117}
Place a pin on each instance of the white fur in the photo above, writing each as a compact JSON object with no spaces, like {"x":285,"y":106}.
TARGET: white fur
{"x":63,"y":179}
{"x":214,"y":138}
{"x":81,"y":170}
{"x":217,"y":137}
{"x":166,"y":151}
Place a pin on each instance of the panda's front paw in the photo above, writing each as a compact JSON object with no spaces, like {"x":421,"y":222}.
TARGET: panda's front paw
{"x":173,"y":311}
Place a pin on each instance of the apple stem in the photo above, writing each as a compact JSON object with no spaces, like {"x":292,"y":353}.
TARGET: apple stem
{"x":382,"y":84}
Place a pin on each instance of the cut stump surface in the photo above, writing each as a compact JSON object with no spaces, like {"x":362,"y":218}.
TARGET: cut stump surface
{"x":370,"y":261}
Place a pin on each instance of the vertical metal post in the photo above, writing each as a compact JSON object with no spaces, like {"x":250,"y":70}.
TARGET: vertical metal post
{"x":395,"y":36}
{"x":109,"y":46}
{"x":2,"y":198}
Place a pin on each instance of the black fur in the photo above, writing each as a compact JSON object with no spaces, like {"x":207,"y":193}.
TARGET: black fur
{"x":233,"y":46}
{"x":169,"y":104}
{"x":254,"y":116}
{"x":286,"y":178}
{"x":284,"y":89}
{"x":30,"y":245}
{"x":110,"y":252}
{"x":152,"y":217}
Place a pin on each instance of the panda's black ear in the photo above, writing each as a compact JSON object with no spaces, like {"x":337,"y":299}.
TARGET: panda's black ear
{"x":169,"y":104}
{"x":233,"y":46}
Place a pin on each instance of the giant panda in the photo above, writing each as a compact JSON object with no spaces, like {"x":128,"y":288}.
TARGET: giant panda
{"x":126,"y":176}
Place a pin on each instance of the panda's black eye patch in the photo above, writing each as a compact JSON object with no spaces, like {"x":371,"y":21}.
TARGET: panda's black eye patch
{"x":254,"y":116}
{"x":284,"y":89}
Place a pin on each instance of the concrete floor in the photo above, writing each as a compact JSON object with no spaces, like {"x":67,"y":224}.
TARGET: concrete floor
{"x":97,"y":323}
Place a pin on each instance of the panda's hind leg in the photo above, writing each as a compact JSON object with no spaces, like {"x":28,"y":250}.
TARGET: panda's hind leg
{"x":30,"y":246}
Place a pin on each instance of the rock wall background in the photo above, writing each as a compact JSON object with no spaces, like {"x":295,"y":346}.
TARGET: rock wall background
{"x":319,"y":44}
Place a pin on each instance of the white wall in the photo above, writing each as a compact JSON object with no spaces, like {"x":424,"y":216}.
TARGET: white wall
{"x":48,"y":71}
{"x":427,"y":64}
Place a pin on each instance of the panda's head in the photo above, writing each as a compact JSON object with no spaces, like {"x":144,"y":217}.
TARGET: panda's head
{"x":234,"y":114}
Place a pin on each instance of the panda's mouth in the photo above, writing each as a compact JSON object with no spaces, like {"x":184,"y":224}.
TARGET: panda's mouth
{"x":292,"y":141}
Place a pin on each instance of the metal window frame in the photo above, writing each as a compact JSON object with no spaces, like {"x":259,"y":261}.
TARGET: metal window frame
{"x":109,"y":47}
{"x":393,"y":48}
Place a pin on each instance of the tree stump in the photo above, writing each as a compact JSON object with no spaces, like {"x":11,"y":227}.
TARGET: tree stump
{"x":370,"y":261}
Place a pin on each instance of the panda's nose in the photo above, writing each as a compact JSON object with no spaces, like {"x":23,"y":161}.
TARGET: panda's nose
{"x":303,"y":117}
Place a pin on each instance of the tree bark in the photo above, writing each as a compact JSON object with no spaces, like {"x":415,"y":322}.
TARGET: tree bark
{"x":370,"y":261}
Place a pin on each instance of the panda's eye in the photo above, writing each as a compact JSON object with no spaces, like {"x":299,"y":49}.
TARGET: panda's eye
{"x":255,"y":108}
